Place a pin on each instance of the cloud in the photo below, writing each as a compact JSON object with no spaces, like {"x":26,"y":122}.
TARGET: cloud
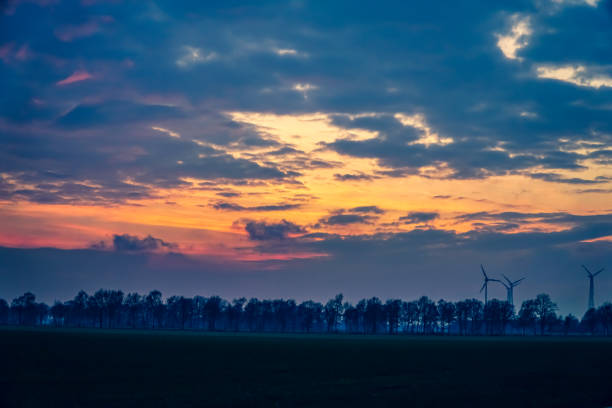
{"x":286,"y":52}
{"x":167,"y":131}
{"x":595,"y":191}
{"x":76,"y":76}
{"x":574,"y":74}
{"x":346,"y":219}
{"x":534,"y":221}
{"x":193,"y":56}
{"x":263,"y":231}
{"x":236,"y":207}
{"x":68,"y":33}
{"x":245,"y":73}
{"x":304,"y":88}
{"x":556,"y":178}
{"x":418,"y":217}
{"x":367,"y":209}
{"x":116,"y":112}
{"x":132,"y":243}
{"x":352,"y":177}
{"x":518,"y":37}
{"x":229,"y":194}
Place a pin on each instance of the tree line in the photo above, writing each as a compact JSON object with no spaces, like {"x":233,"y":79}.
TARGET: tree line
{"x":113,"y":309}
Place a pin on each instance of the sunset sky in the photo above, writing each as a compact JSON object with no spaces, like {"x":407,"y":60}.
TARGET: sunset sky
{"x":305,"y":148}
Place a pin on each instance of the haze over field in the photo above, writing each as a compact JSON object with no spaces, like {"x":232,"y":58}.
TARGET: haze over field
{"x":301,"y":149}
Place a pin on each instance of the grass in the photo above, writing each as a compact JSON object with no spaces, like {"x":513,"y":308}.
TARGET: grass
{"x":76,"y":368}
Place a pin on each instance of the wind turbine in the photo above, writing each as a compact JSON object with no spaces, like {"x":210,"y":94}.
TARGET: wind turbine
{"x":485,"y":285}
{"x":591,"y":285}
{"x":510,"y":288}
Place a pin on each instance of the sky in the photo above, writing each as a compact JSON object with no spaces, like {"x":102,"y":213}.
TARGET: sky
{"x":299,"y":149}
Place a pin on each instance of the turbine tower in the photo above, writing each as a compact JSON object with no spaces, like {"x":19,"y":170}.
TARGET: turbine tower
{"x":485,"y":285}
{"x":591,"y":286}
{"x":510,"y":288}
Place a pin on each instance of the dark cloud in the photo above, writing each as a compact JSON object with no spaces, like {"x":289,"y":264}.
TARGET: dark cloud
{"x":346,"y":219}
{"x":594,"y":190}
{"x":556,"y":178}
{"x":367,"y":209}
{"x":555,"y":218}
{"x":132,"y":243}
{"x":417,"y":217}
{"x":502,"y":118}
{"x":116,"y":112}
{"x":236,"y":207}
{"x":263,"y":231}
{"x":92,"y":168}
{"x":229,"y":194}
{"x":352,"y":177}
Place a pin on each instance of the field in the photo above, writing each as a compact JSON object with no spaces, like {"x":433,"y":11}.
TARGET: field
{"x":72,"y":368}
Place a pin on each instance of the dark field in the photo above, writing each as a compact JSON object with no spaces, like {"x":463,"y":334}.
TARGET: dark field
{"x":65,"y":368}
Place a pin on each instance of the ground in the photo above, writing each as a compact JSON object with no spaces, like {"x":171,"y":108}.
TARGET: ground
{"x":77,"y":368}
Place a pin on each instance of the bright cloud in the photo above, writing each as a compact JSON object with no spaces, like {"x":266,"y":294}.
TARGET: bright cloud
{"x":167,"y":131}
{"x":417,"y":121}
{"x":304,"y":88}
{"x":286,"y":51}
{"x":193,"y":55}
{"x":574,"y":74}
{"x":518,"y":37}
{"x":592,"y":3}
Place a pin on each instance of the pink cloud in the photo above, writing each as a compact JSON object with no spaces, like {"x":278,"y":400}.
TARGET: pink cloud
{"x":9,"y":52}
{"x":5,"y":51}
{"x":23,"y":53}
{"x":70,"y":32}
{"x":13,"y":4}
{"x":76,"y":76}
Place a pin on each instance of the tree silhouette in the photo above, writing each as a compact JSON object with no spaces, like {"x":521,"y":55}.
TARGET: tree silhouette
{"x":544,"y":310}
{"x":333,"y":312}
{"x":393,"y":311}
{"x":373,"y":314}
{"x":108,"y":308}
{"x":58,"y":312}
{"x":570,"y":324}
{"x":4,"y":312}
{"x":410,"y":315}
{"x":309,"y":313}
{"x":527,"y":315}
{"x":213,"y":311}
{"x":447,"y":312}
{"x":235,"y":312}
{"x":154,"y":308}
{"x":134,"y":304}
{"x":25,"y":306}
{"x":497,"y":314}
{"x":589,"y":321}
{"x":604,"y":315}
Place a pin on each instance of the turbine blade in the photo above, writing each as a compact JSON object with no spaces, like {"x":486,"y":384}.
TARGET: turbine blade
{"x":518,"y":281}
{"x":587,"y":270}
{"x":598,"y":272}
{"x":483,"y":286}
{"x":483,"y":271}
{"x":507,"y":279}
